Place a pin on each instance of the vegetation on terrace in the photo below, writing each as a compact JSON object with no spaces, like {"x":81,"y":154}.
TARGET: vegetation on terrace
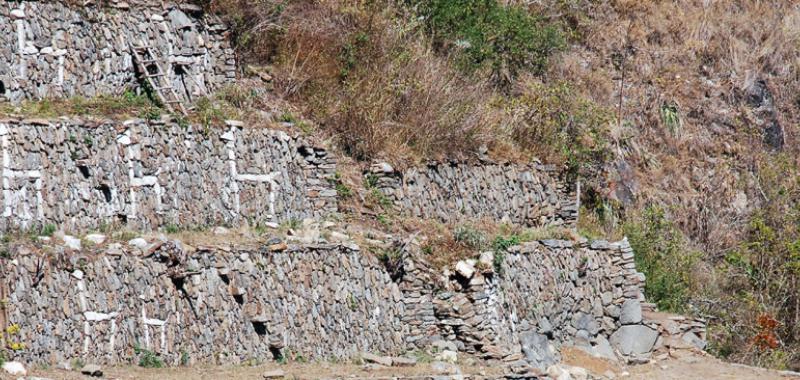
{"x":643,"y":101}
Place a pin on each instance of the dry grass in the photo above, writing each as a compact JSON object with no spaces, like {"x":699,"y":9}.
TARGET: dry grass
{"x":376,"y":87}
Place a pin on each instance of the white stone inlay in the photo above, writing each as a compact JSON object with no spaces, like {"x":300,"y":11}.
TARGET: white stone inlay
{"x":10,"y":199}
{"x":230,"y":145}
{"x":133,"y":154}
{"x":162,"y":324}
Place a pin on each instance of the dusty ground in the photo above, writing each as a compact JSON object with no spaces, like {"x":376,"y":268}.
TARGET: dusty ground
{"x":685,"y":368}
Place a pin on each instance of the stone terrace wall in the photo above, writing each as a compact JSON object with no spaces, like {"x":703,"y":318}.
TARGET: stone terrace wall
{"x":566,"y":291}
{"x":578,"y":296}
{"x":319,"y":301}
{"x":81,"y":176}
{"x":529,"y":195}
{"x":322,"y":301}
{"x":48,"y":49}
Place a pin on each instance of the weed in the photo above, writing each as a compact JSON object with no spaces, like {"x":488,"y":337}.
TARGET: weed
{"x":671,"y":118}
{"x":171,"y":228}
{"x":185,"y":359}
{"x":351,"y":300}
{"x":147,"y":358}
{"x":77,"y":363}
{"x":471,"y":237}
{"x":287,"y":117}
{"x":501,"y":243}
{"x":47,"y":230}
{"x":290,"y":224}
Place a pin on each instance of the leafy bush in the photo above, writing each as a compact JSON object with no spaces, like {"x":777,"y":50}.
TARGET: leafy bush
{"x":506,"y":38}
{"x":662,"y":254}
{"x":147,"y":358}
{"x":759,"y":295}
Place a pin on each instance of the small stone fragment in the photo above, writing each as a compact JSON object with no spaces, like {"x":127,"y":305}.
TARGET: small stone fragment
{"x":274,"y":374}
{"x":14,"y":369}
{"x":93,"y":370}
{"x":372,"y":358}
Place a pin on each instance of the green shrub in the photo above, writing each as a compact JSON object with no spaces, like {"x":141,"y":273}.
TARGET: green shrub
{"x":506,"y":38}
{"x":147,"y":358}
{"x":501,"y":243}
{"x":663,"y":256}
{"x":47,"y":230}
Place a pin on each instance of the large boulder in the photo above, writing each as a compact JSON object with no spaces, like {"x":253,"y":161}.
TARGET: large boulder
{"x":538,"y":350}
{"x":634,"y":339}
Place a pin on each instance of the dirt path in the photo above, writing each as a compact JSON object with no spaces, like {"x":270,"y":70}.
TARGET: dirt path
{"x":686,"y":368}
{"x":703,"y":368}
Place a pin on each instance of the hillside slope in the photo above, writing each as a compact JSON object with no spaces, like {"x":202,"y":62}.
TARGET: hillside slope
{"x":678,"y":117}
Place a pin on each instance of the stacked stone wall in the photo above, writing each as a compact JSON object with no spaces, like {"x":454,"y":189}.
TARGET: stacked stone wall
{"x":78,"y":175}
{"x":530,"y":195}
{"x":320,"y":301}
{"x":316,"y":301}
{"x":50,"y":49}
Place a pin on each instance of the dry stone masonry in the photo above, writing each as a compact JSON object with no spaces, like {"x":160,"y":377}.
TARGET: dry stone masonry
{"x":319,"y":301}
{"x":322,"y":301}
{"x":529,"y":195}
{"x":49,"y":49}
{"x":79,"y":175}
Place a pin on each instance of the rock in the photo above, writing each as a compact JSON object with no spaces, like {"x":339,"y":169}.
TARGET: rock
{"x":234,"y":123}
{"x":631,"y":313}
{"x":336,"y":236}
{"x":382,"y":167}
{"x":72,"y":242}
{"x":371,"y":358}
{"x":219,"y":230}
{"x":138,"y":243}
{"x":404,"y":362}
{"x":443,"y":368}
{"x":96,"y":238}
{"x":78,"y":274}
{"x":538,"y":350}
{"x":582,"y":321}
{"x":577,"y":373}
{"x":487,"y":259}
{"x":582,"y":339}
{"x":18,"y":14}
{"x":447,"y":356}
{"x":557,"y":373}
{"x":694,"y":340}
{"x":466,"y":268}
{"x":442,"y":345}
{"x":66,"y":366}
{"x":14,"y":369}
{"x":93,"y":370}
{"x":544,"y":326}
{"x":274,"y":374}
{"x":278,"y":247}
{"x":603,"y":349}
{"x":634,"y":339}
